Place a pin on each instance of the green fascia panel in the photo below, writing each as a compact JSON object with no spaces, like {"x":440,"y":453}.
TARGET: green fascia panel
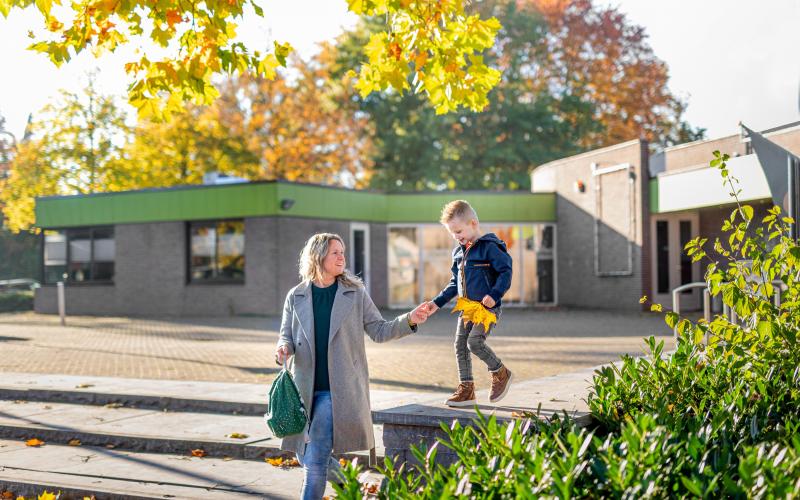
{"x":491,"y":207}
{"x":264,"y":199}
{"x":321,"y":202}
{"x":214,"y":202}
{"x":654,"y":195}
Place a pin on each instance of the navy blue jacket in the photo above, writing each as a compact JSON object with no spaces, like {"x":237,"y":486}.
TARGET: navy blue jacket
{"x":487,"y":271}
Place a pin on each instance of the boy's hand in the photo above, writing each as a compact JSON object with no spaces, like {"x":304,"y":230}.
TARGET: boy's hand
{"x":488,"y":302}
{"x":420,"y":314}
{"x":432,"y":307}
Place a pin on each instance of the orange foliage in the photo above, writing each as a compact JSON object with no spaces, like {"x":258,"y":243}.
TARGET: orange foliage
{"x":596,"y":53}
{"x":301,"y":126}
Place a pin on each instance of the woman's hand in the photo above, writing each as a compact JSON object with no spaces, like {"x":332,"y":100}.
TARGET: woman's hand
{"x":281,"y":354}
{"x":420,"y":314}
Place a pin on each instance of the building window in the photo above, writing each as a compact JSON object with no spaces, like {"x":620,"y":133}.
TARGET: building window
{"x":80,"y":255}
{"x":403,"y":257}
{"x":216,"y":251}
{"x":420,"y":257}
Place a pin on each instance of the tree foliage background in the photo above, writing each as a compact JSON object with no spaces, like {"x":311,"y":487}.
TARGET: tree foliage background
{"x":573,"y":76}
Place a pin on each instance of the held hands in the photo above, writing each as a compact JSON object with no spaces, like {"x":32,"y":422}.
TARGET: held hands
{"x":281,"y":354}
{"x":488,"y":302}
{"x":432,"y":307}
{"x":420,"y":314}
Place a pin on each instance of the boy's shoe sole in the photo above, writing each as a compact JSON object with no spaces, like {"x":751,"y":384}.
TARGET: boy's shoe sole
{"x":460,"y":404}
{"x":505,"y":391}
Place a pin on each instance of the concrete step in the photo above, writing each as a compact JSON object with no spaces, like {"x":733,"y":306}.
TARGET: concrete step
{"x":137,"y":429}
{"x":82,"y":471}
{"x":171,"y":395}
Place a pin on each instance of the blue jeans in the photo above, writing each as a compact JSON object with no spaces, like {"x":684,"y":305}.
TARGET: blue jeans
{"x":317,"y":460}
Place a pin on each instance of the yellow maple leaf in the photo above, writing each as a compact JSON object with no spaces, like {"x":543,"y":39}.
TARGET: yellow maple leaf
{"x":34,"y":442}
{"x":237,"y":435}
{"x":474,"y":312}
{"x":47,"y":496}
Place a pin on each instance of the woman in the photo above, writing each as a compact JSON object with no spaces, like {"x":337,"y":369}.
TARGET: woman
{"x":323,"y":325}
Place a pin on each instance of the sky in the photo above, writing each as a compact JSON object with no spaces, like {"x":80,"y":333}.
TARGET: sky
{"x":733,"y":60}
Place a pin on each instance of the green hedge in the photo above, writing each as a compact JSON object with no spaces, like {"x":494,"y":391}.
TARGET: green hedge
{"x":16,"y":301}
{"x":719,"y":417}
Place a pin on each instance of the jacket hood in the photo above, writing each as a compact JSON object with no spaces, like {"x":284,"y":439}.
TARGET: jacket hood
{"x":491,"y":237}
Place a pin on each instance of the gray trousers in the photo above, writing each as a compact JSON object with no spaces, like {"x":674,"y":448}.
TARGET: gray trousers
{"x":471,"y":338}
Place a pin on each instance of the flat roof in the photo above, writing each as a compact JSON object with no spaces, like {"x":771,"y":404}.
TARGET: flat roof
{"x":266,"y":198}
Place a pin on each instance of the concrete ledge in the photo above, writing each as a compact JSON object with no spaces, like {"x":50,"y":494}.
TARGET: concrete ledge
{"x":421,"y":423}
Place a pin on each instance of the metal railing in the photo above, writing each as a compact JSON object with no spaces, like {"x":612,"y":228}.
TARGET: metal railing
{"x":727,"y":311}
{"x":676,"y":302}
{"x":18,"y":283}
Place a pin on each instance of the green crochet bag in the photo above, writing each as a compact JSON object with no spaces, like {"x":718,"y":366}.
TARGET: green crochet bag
{"x":286,"y":414}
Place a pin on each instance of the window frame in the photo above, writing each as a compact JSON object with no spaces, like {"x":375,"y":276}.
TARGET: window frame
{"x":66,"y":231}
{"x":213,"y":281}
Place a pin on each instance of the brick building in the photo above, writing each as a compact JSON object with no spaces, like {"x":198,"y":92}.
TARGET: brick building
{"x":598,"y":230}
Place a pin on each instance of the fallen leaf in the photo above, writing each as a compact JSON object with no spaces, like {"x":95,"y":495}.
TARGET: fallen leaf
{"x":34,"y":442}
{"x":84,"y":386}
{"x":111,"y":446}
{"x":47,"y":496}
{"x":227,"y":459}
{"x":237,"y":435}
{"x":199,"y":453}
{"x":282,"y":462}
{"x":19,"y":402}
{"x":343,"y":462}
{"x":114,"y":405}
{"x":7,"y":494}
{"x":74,"y":442}
{"x":370,"y":488}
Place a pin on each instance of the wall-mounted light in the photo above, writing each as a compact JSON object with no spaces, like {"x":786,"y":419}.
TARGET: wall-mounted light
{"x":580,"y":187}
{"x":287,"y":203}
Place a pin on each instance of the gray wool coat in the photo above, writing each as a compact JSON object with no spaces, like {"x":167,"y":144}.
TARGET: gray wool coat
{"x":353,"y":314}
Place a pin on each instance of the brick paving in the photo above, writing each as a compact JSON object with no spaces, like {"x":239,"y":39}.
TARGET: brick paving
{"x":532,"y":343}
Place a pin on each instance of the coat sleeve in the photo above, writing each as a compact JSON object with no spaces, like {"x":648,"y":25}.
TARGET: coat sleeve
{"x":381,"y":330}
{"x":501,"y":262}
{"x":451,"y":290}
{"x":285,"y":337}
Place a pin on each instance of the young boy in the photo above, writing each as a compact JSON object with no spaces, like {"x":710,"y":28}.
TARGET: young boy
{"x":482,"y":273}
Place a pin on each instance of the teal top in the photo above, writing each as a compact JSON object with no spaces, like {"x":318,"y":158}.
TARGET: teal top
{"x":323,"y":305}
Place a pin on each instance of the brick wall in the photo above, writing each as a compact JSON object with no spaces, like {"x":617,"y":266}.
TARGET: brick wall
{"x":622,"y":195}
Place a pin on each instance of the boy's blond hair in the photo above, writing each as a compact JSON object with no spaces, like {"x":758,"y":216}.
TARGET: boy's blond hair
{"x":460,"y":209}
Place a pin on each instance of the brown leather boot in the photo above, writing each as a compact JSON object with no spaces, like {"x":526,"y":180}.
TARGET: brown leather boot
{"x":501,"y":381}
{"x":464,"y":395}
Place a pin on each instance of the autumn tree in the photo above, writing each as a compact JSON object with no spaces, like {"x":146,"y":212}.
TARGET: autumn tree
{"x":538,"y":111}
{"x":597,"y":55}
{"x":169,"y":153}
{"x":298,"y":127}
{"x":523,"y":125}
{"x":75,"y":145}
{"x":439,"y":44}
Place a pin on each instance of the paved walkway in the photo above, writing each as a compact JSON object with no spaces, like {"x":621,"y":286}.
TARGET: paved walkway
{"x":532,"y":343}
{"x":132,"y":449}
